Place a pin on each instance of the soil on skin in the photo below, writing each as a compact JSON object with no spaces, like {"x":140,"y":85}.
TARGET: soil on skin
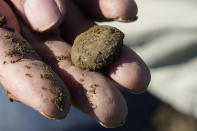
{"x":97,"y":47}
{"x":3,"y":20}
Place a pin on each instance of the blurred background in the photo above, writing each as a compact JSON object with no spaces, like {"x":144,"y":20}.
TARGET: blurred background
{"x":165,"y":36}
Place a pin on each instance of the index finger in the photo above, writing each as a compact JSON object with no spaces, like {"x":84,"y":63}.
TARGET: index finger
{"x":25,"y":77}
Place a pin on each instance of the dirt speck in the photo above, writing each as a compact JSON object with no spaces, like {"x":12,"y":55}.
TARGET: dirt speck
{"x":49,"y":42}
{"x":59,"y":99}
{"x":44,"y":88}
{"x":14,"y":61}
{"x":92,"y":90}
{"x":29,"y":75}
{"x":94,"y":107}
{"x":48,"y":73}
{"x":61,"y":58}
{"x":7,"y":92}
{"x":28,"y":67}
{"x":45,"y":76}
{"x":19,"y":47}
{"x":3,"y":20}
{"x":81,"y":80}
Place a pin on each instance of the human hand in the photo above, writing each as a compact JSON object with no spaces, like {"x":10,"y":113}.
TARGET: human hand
{"x":26,"y":81}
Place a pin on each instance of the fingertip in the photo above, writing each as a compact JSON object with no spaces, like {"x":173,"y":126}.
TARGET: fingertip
{"x":130,"y":72}
{"x":44,"y":15}
{"x":121,"y":10}
{"x":140,"y":79}
{"x":51,"y":112}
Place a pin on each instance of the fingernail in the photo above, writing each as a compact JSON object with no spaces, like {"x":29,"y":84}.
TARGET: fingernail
{"x":61,"y":5}
{"x":127,"y":20}
{"x":42,"y":14}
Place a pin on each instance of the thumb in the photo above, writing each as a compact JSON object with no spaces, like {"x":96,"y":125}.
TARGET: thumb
{"x":41,"y":15}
